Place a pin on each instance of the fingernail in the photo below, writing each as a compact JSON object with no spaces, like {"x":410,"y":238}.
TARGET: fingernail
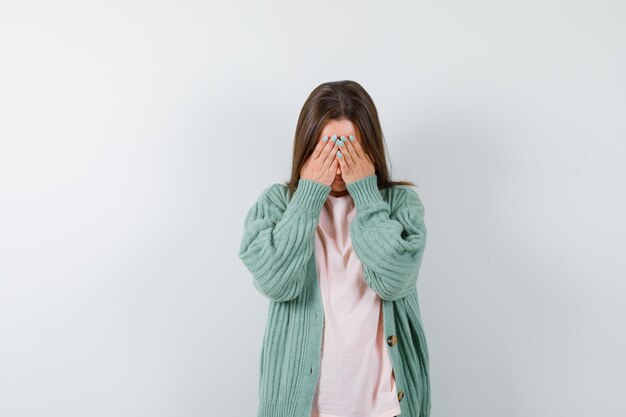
{"x":351,"y":138}
{"x":334,"y":138}
{"x":343,"y":138}
{"x":339,"y":155}
{"x":340,"y":143}
{"x":325,"y":139}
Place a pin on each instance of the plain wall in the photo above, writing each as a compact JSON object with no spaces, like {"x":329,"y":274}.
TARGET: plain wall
{"x":135,"y":135}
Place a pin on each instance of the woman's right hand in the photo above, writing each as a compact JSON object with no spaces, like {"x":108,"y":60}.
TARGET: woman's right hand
{"x":322,"y":165}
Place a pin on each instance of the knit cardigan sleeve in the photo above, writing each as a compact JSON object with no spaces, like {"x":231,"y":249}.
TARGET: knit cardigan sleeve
{"x":389,"y":241}
{"x":278,"y":237}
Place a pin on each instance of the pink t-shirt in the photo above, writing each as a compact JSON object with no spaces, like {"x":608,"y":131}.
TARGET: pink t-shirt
{"x":356,"y":375}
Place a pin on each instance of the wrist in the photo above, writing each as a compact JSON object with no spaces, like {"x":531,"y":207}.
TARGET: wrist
{"x":365,"y":190}
{"x":310,"y":196}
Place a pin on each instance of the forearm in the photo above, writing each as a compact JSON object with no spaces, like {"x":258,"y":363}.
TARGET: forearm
{"x":279,"y":240}
{"x":389,"y":245}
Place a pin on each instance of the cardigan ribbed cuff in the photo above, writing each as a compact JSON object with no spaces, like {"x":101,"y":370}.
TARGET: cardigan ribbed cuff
{"x":310,"y":196}
{"x":365,"y":190}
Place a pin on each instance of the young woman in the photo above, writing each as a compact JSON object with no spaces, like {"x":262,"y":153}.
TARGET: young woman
{"x":337,"y":251}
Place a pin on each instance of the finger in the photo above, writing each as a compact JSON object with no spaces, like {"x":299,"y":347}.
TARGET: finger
{"x":356,"y":144}
{"x":328,"y":158}
{"x":319,"y":148}
{"x":327,"y":151}
{"x":342,"y":164}
{"x":334,"y":165}
{"x":351,"y":148}
{"x":348,"y":153}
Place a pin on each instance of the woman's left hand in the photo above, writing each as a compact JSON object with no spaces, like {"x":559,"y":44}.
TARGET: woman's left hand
{"x":354,"y":162}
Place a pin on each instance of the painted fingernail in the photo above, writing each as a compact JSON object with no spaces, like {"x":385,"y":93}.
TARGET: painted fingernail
{"x":340,"y":143}
{"x":339,"y":155}
{"x":325,"y":139}
{"x":343,"y":138}
{"x":351,"y":138}
{"x":334,"y":138}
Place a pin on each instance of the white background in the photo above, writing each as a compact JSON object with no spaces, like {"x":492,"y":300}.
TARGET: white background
{"x":136,"y":135}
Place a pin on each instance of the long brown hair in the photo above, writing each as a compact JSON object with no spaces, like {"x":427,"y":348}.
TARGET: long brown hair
{"x":337,"y":100}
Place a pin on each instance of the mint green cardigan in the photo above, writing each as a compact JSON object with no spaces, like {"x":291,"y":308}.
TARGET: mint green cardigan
{"x":278,"y":247}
